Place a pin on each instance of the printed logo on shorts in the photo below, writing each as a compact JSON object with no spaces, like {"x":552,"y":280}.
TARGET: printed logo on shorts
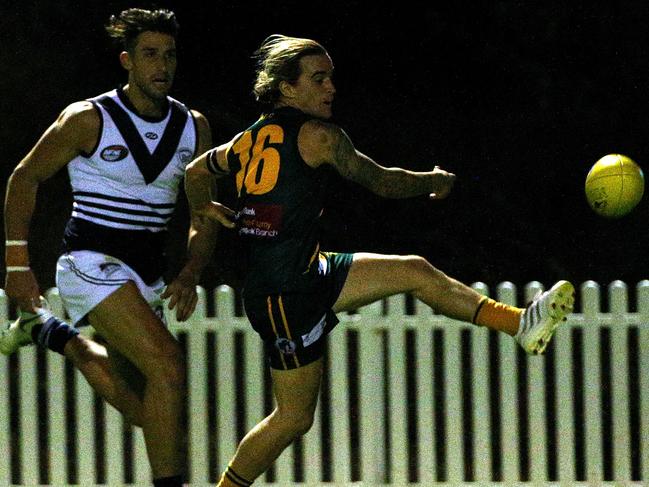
{"x":285,"y":346}
{"x":109,"y":265}
{"x":114,"y":153}
{"x":315,"y":333}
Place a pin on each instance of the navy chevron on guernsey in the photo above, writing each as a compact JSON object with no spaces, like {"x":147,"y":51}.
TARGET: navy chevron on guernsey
{"x":150,"y":164}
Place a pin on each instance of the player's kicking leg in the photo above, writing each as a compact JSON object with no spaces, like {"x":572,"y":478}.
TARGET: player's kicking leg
{"x":375,"y":276}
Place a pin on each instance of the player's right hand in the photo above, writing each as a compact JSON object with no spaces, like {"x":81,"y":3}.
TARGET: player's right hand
{"x":217,"y":212}
{"x":441,"y":182}
{"x":22,"y":289}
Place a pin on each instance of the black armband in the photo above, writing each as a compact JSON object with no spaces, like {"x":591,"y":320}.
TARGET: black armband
{"x":213,"y":166}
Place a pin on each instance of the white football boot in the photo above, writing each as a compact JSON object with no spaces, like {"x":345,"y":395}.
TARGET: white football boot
{"x":19,"y":333}
{"x":541,"y":318}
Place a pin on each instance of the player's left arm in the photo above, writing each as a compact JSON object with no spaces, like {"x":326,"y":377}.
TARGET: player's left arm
{"x":200,"y":245}
{"x":326,"y":143}
{"x":200,"y":180}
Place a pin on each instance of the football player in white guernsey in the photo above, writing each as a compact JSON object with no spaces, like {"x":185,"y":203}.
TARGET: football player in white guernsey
{"x":126,"y":152}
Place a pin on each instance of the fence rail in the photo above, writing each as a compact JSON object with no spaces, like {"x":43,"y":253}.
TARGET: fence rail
{"x":408,"y":397}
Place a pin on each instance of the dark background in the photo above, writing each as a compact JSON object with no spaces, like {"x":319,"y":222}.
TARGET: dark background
{"x":517,"y":99}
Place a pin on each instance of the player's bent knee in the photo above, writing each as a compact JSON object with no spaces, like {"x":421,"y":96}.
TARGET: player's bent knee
{"x":416,"y":262}
{"x":424,"y":275}
{"x":300,"y":428}
{"x":298,"y":424}
{"x":304,"y":425}
{"x":418,"y":267}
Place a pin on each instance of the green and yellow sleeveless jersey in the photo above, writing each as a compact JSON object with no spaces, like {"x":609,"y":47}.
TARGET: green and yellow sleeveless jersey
{"x":280,"y":201}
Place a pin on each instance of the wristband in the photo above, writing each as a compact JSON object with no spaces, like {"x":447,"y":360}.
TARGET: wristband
{"x":15,"y":243}
{"x":17,"y":268}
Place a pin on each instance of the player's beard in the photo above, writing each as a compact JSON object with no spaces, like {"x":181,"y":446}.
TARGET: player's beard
{"x":152,"y":92}
{"x":156,"y":94}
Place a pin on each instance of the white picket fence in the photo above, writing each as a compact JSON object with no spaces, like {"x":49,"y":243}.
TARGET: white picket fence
{"x":408,"y":397}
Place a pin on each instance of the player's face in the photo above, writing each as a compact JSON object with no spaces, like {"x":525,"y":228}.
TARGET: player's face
{"x":314,"y":90}
{"x":152,"y":64}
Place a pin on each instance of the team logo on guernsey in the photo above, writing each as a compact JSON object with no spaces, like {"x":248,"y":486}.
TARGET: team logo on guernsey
{"x":185,"y":155}
{"x":114,"y":153}
{"x":151,"y":135}
{"x":286,"y":346}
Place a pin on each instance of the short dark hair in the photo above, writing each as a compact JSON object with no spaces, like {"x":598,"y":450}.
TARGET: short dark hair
{"x":125,"y":27}
{"x":278,"y":59}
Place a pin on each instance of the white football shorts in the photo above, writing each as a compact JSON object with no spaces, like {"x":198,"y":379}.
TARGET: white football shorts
{"x":85,"y":278}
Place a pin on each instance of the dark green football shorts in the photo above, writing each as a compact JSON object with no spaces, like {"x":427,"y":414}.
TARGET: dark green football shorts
{"x":293,"y":325}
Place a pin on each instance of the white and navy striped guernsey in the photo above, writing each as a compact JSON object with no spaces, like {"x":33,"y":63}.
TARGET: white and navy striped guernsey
{"x":125,"y":191}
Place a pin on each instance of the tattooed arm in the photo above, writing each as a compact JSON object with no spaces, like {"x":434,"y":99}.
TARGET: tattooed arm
{"x":325,"y":143}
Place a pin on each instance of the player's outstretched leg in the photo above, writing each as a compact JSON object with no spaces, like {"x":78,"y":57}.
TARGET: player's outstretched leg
{"x":375,"y":276}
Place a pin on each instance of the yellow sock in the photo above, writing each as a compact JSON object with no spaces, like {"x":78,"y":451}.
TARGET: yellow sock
{"x":497,"y":316}
{"x":232,"y":479}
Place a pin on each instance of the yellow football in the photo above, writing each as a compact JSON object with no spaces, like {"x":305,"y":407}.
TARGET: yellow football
{"x":614,"y":186}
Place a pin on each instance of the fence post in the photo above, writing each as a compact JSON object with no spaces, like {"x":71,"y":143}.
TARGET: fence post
{"x":592,"y":381}
{"x":198,"y":421}
{"x":341,"y":468}
{"x":398,"y":363}
{"x":28,"y":394}
{"x":481,"y":415}
{"x":643,"y":374}
{"x":425,"y":398}
{"x":371,"y":380}
{"x":5,"y":411}
{"x":619,"y":370}
{"x":536,"y":391}
{"x":4,"y":306}
{"x":509,"y":412}
{"x":225,"y":373}
{"x":454,"y":403}
{"x":565,"y":393}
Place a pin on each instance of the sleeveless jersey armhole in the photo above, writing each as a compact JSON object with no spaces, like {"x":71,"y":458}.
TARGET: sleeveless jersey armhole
{"x":197,"y":141}
{"x":88,"y":155}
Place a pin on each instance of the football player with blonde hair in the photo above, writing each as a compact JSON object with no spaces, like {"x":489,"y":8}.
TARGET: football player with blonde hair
{"x":292,"y":288}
